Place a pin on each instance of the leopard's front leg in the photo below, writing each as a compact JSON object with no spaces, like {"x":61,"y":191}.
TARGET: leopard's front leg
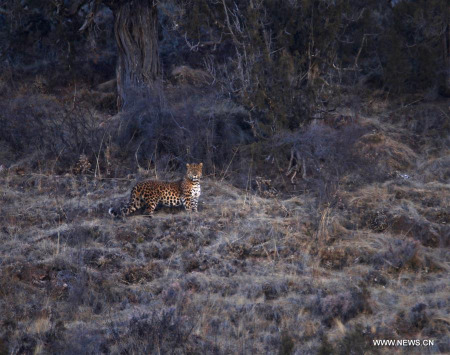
{"x":194,"y":205}
{"x":191,"y":204}
{"x":187,"y":204}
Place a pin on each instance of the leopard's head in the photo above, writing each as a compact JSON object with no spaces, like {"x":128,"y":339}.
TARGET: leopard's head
{"x":194,"y":171}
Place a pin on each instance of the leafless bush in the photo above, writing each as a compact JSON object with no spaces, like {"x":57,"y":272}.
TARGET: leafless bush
{"x":344,"y":306}
{"x":259,"y":72}
{"x":435,"y":170}
{"x":357,"y":340}
{"x":321,"y":155}
{"x":39,"y":125}
{"x":418,"y":228}
{"x":165,"y":331}
{"x":175,"y":129}
{"x":413,"y":321}
{"x":31,"y":37}
{"x":400,"y":255}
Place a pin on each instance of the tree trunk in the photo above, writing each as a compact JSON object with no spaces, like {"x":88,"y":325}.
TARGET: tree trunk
{"x":136,"y":31}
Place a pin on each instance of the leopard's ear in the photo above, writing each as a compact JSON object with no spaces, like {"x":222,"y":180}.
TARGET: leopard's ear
{"x":200,"y":165}
{"x":187,"y":166}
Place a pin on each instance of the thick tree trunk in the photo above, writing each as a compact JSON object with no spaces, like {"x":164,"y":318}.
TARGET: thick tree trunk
{"x":138,"y":67}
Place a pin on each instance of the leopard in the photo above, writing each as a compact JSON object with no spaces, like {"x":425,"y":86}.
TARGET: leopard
{"x":150,"y":193}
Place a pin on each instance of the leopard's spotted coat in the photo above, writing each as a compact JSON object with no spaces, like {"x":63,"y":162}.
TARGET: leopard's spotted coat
{"x":148,"y":194}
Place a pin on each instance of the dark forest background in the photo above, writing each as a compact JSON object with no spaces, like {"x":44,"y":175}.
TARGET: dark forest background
{"x":226,"y":81}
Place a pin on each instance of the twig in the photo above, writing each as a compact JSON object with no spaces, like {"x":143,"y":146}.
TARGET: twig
{"x":229,"y":25}
{"x":97,"y":166}
{"x":360,"y":50}
{"x":226,"y":170}
{"x":136,"y":155}
{"x":405,"y":106}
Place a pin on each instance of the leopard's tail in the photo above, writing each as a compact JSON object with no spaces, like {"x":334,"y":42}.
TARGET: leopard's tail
{"x":122,"y":211}
{"x":113,"y":212}
{"x":126,"y":209}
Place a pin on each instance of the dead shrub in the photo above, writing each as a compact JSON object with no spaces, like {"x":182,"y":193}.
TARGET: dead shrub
{"x":83,"y":165}
{"x":159,"y":251}
{"x":409,"y":323}
{"x":25,"y":344}
{"x":167,"y":330}
{"x":416,"y":228}
{"x":344,"y":305}
{"x":286,"y":343}
{"x":375,"y":277}
{"x":358,"y":340}
{"x":141,"y":274}
{"x":428,"y":122}
{"x":273,"y":290}
{"x":387,"y":155}
{"x":268,"y":312}
{"x":102,"y":101}
{"x":437,"y":169}
{"x":181,"y":127}
{"x":237,"y":249}
{"x":191,"y":263}
{"x":101,"y":259}
{"x":376,"y":220}
{"x":186,"y":75}
{"x":334,"y":257}
{"x":321,"y":155}
{"x":41,"y":127}
{"x":400,"y":255}
{"x":78,"y":236}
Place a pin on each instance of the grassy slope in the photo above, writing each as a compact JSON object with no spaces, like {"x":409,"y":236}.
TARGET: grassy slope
{"x":247,"y":274}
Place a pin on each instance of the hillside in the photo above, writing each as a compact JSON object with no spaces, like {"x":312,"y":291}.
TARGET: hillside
{"x":255,"y":271}
{"x":323,"y":129}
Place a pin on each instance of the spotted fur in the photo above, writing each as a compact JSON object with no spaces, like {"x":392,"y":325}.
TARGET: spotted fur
{"x":148,"y":194}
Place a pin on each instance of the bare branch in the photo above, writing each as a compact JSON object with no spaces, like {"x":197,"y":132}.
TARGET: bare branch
{"x":192,"y":47}
{"x":230,"y":28}
{"x":91,"y":15}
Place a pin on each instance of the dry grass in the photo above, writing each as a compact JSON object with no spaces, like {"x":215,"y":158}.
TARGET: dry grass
{"x":247,"y":274}
{"x":389,"y":155}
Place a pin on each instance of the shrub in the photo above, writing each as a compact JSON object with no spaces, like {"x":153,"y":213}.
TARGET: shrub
{"x":41,"y":126}
{"x":322,"y":155}
{"x":169,"y":131}
{"x":343,"y":306}
{"x":164,"y":331}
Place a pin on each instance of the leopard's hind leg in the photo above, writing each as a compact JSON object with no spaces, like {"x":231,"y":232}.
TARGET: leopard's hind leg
{"x":133,"y":205}
{"x":150,"y":208}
